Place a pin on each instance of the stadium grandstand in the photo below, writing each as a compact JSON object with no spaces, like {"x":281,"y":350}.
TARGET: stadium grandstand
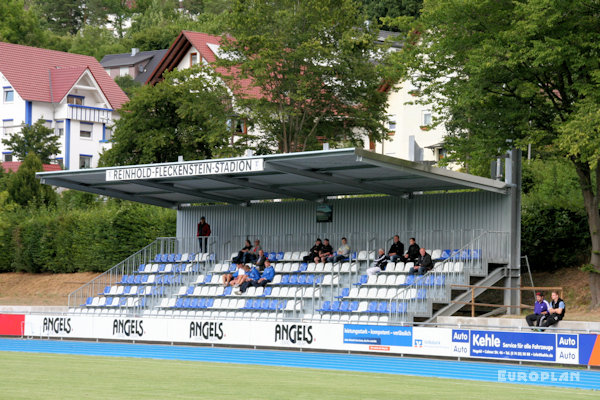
{"x":468,"y":224}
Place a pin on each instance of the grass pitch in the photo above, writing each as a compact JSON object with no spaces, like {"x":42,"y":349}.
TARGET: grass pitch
{"x":50,"y":376}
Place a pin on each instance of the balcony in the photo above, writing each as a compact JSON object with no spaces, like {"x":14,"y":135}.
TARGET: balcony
{"x":89,"y":114}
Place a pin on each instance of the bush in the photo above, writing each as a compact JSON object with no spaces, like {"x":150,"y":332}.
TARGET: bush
{"x":74,"y":240}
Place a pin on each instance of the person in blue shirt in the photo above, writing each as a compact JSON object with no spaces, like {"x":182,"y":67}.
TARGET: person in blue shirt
{"x":267,"y":275}
{"x":556,"y":311}
{"x":540,"y":311}
{"x":250,"y":279}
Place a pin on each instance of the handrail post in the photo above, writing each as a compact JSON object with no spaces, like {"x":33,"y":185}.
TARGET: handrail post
{"x":472,"y":302}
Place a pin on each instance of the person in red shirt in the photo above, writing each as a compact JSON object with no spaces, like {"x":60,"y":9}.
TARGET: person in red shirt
{"x":203,"y":234}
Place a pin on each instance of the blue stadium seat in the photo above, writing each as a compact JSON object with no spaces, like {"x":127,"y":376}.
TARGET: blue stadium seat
{"x":399,"y":308}
{"x":168,"y":280}
{"x":303,"y":267}
{"x":227,"y":291}
{"x":429,"y":280}
{"x":293,"y":279}
{"x":130,"y":279}
{"x":232,"y":268}
{"x":137,"y":280}
{"x":410,"y":279}
{"x":279,"y":256}
{"x":421,"y":294}
{"x":143,"y":302}
{"x":171,"y":258}
{"x":142,"y":268}
{"x":124,"y":279}
{"x":362,"y":280}
{"x":310,"y":279}
{"x":126,"y":290}
{"x":326,"y":306}
{"x":210,"y":303}
{"x":445,"y":254}
{"x":178,"y":303}
{"x":382,"y":308}
{"x":335,"y":306}
{"x":177,"y":268}
{"x":194,"y":302}
{"x":157,"y":257}
{"x":285,"y":279}
{"x":372,"y":308}
{"x":248,"y":304}
{"x":207,"y":279}
{"x":89,"y":300}
{"x":108,"y":301}
{"x":190,"y":291}
{"x":318,"y":279}
{"x":440,"y":280}
{"x":177,"y":257}
{"x":164,"y":258}
{"x":106,"y":290}
{"x":161,"y":267}
{"x":345,"y":293}
{"x":267,"y":291}
{"x":201,"y":303}
{"x":344,"y":306}
{"x":476,"y":254}
{"x":281,"y":304}
{"x":301,"y":279}
{"x":256,"y":304}
{"x":273,"y":304}
{"x":272,"y":256}
{"x":264,"y":304}
{"x":354,"y":306}
{"x":145,"y":278}
{"x":159,"y":280}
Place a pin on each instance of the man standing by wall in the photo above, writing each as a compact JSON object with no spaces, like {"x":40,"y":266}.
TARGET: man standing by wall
{"x":203,"y":233}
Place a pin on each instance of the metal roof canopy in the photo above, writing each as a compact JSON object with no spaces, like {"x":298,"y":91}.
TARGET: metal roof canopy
{"x":312,"y":176}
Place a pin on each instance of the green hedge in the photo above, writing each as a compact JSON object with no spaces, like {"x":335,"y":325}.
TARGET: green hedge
{"x":74,"y":240}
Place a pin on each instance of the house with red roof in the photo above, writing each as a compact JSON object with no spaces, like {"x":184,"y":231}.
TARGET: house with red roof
{"x":191,"y":48}
{"x":72,"y":93}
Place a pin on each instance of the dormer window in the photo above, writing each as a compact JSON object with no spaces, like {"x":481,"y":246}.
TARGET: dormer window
{"x":193,"y":59}
{"x":72,"y":99}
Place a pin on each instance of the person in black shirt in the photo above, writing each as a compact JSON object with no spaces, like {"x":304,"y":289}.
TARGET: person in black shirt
{"x":423,"y":263}
{"x":260,"y":262}
{"x":396,"y":249}
{"x":326,"y":251}
{"x":243,"y":253}
{"x":314,"y":251}
{"x":413,"y":251}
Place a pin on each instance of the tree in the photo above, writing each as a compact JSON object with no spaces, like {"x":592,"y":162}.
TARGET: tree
{"x":128,"y":85}
{"x":185,"y":114}
{"x":25,"y":189}
{"x":20,"y":26}
{"x":315,"y":65}
{"x":35,"y":139}
{"x":506,"y":73}
{"x":383,"y":10}
{"x":62,"y":16}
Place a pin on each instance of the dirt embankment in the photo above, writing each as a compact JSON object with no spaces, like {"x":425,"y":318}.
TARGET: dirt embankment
{"x":40,"y":289}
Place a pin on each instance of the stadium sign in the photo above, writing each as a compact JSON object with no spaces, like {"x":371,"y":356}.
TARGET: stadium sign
{"x":582,"y":349}
{"x":187,"y":169}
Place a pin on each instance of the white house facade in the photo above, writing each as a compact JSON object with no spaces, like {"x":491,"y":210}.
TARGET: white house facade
{"x":71,"y":93}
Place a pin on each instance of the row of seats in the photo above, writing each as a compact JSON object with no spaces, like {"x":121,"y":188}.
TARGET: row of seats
{"x":382,"y":293}
{"x":109,"y":301}
{"x":381,"y":307}
{"x":319,"y":268}
{"x":279,"y":279}
{"x":232,"y":304}
{"x":401,"y":280}
{"x":185,"y":257}
{"x":120,"y":290}
{"x":168,"y":268}
{"x":220,"y":291}
{"x":172,"y":279}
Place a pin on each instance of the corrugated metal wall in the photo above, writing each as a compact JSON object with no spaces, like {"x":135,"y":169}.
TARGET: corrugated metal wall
{"x":293,"y":224}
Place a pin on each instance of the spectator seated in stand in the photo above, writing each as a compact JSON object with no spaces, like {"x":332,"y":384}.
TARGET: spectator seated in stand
{"x":325,"y":253}
{"x":228,"y":279}
{"x":251,"y":278}
{"x":379,"y":264}
{"x":267,"y":275}
{"x":540,"y":311}
{"x":313,"y":252}
{"x":252,"y":255}
{"x":396,"y":251}
{"x":243,"y":253}
{"x":260,"y":261}
{"x":556,"y":311}
{"x":423,"y":264}
{"x":343,"y":252}
{"x":412,"y":254}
